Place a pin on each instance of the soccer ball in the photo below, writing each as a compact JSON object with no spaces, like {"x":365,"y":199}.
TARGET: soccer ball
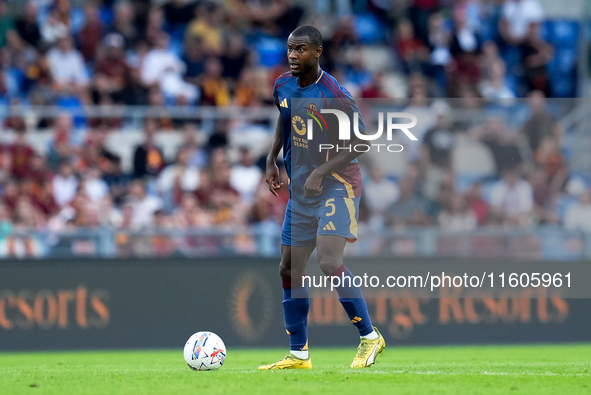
{"x":205,"y":351}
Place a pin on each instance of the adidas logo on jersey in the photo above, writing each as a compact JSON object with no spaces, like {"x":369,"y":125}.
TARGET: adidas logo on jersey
{"x":284,"y":103}
{"x":329,"y":226}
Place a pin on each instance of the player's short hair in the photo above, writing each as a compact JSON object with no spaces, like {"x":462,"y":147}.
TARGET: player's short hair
{"x":311,"y":32}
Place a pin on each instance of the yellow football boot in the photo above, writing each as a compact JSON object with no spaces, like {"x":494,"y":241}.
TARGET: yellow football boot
{"x":289,"y":362}
{"x":368,"y":351}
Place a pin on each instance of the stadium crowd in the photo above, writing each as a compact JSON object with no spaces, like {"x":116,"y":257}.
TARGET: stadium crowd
{"x":184,"y":53}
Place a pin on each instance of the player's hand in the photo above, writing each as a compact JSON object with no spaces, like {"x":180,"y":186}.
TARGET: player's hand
{"x":273,"y":179}
{"x":313,"y":186}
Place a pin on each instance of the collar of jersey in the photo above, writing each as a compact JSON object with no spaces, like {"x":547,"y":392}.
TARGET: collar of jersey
{"x":311,"y":85}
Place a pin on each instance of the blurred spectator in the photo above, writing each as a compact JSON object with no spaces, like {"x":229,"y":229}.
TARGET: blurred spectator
{"x":345,"y":33}
{"x":163,"y":68}
{"x":516,"y":18}
{"x":112,"y":71}
{"x":143,"y":205}
{"x":458,"y":216}
{"x":190,"y":215}
{"x":10,"y":195}
{"x":578,"y":215}
{"x":493,"y":79}
{"x":38,"y":171}
{"x":235,"y":58}
{"x":156,"y":98}
{"x":64,"y":184}
{"x":476,"y":203}
{"x":219,"y":195}
{"x":81,"y":209}
{"x":206,"y":26}
{"x":126,"y":216}
{"x":549,"y":157}
{"x":197,"y":156}
{"x":135,"y":92}
{"x":246,"y":89}
{"x":410,"y":209}
{"x":375,"y":90}
{"x":245,"y":176}
{"x":267,"y":207}
{"x":5,"y":162}
{"x":95,"y":153}
{"x":109,"y":215}
{"x":123,"y":24}
{"x":419,"y":13}
{"x":540,"y":124}
{"x":490,"y":58}
{"x":43,"y":200}
{"x":214,"y":88}
{"x":62,"y":148}
{"x":287,"y":19}
{"x":412,"y":51}
{"x":356,"y":72}
{"x":27,"y":26}
{"x":67,"y":67}
{"x":53,"y":28}
{"x":194,"y":58}
{"x":177,"y":178}
{"x":21,"y":153}
{"x":379,"y":194}
{"x":439,"y":41}
{"x":419,"y":105}
{"x":465,"y":48}
{"x":218,"y":139}
{"x":178,"y":13}
{"x":436,"y":152}
{"x":117,"y":181}
{"x":159,"y":61}
{"x":536,"y":53}
{"x":148,"y":159}
{"x":6,"y":25}
{"x":512,"y":201}
{"x":502,"y":145}
{"x":443,"y":197}
{"x":94,"y":186}
{"x":474,"y":10}
{"x":27,"y":216}
{"x":276,"y":17}
{"x":154,"y":26}
{"x":91,"y":32}
{"x":5,"y":222}
{"x":545,"y":197}
{"x":494,"y":87}
{"x":39,"y":78}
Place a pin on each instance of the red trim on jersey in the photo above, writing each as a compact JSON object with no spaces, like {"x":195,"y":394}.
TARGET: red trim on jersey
{"x":336,"y":95}
{"x":330,"y":83}
{"x":280,"y":85}
{"x":348,"y":105}
{"x":285,"y":75}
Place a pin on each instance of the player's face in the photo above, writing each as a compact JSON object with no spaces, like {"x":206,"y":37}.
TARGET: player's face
{"x":302,"y":55}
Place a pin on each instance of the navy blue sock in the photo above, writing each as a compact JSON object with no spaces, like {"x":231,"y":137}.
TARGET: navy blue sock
{"x":295,"y":314}
{"x":352,"y":300}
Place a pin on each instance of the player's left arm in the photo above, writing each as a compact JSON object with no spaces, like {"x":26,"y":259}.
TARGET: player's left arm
{"x":313,"y":184}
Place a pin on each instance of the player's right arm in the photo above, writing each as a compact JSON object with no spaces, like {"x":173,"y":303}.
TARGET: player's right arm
{"x":272,"y":172}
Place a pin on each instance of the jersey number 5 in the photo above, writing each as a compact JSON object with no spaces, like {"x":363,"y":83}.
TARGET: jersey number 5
{"x":333,"y":209}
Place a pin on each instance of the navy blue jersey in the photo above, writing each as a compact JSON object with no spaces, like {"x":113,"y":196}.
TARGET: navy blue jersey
{"x":301,"y":155}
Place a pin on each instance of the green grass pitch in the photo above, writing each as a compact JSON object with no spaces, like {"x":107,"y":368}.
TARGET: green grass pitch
{"x":532,"y":369}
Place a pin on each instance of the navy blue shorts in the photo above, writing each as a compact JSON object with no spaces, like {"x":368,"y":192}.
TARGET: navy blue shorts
{"x":335,"y":216}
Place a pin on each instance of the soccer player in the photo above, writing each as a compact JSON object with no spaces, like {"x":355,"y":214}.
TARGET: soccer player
{"x":325,"y":188}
